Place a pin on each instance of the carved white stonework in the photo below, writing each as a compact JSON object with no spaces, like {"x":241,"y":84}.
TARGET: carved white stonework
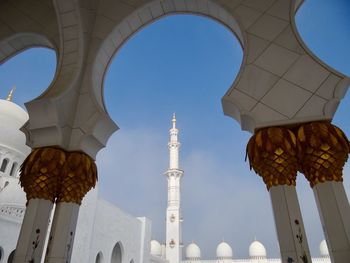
{"x":12,"y":212}
{"x":280,"y":82}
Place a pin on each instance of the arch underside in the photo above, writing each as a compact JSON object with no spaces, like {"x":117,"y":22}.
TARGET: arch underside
{"x":280,"y":81}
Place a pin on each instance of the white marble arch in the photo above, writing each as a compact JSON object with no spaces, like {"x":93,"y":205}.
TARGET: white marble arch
{"x":281,"y":82}
{"x":20,"y":42}
{"x":145,"y":15}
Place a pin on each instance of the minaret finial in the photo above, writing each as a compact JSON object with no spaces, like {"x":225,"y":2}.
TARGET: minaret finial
{"x":174,"y":120}
{"x":10,"y":96}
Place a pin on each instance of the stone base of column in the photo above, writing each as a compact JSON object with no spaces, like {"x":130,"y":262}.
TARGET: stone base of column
{"x":334,"y":210}
{"x":289,"y":225}
{"x":61,"y":238}
{"x":31,"y":241}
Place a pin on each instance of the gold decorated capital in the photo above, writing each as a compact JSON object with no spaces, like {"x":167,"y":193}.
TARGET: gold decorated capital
{"x":79,"y":175}
{"x":322,"y":151}
{"x":272,"y":154}
{"x":57,"y":175}
{"x":40,"y":173}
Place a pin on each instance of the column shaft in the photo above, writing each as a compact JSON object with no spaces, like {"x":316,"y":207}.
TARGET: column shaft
{"x":31,"y":241}
{"x":289,"y":225}
{"x":334,"y":210}
{"x":61,"y":239}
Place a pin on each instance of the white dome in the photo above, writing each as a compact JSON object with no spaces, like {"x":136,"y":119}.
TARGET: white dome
{"x":257,"y":250}
{"x":223,"y":251}
{"x":324,"y":249}
{"x":156,"y":249}
{"x":193,"y":251}
{"x":10,"y":135}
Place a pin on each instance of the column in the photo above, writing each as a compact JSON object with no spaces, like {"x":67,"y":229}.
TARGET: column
{"x":62,"y":234}
{"x":78,"y":176}
{"x":49,"y":175}
{"x":289,"y":224}
{"x":323,"y":150}
{"x":40,"y":184}
{"x":31,"y":242}
{"x":272,"y":154}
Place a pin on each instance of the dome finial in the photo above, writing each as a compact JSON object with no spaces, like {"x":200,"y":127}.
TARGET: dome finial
{"x":10,"y":95}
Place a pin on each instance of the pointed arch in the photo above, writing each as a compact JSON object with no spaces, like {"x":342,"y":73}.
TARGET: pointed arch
{"x":117,"y":253}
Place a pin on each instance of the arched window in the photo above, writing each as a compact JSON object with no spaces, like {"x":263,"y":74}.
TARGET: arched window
{"x":99,"y":258}
{"x":10,"y":259}
{"x":4,"y":165}
{"x":13,"y":169}
{"x":117,"y":253}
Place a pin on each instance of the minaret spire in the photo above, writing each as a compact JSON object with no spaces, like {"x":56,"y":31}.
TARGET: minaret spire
{"x":174,"y":120}
{"x":173,"y":215}
{"x":10,"y":95}
{"x":174,"y":145}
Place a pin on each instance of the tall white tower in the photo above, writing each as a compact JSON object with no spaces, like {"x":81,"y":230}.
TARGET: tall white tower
{"x":173,"y":214}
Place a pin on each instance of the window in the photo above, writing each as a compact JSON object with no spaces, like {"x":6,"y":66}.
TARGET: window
{"x":117,"y":253}
{"x":4,"y":165}
{"x":13,"y":169}
{"x":99,"y":258}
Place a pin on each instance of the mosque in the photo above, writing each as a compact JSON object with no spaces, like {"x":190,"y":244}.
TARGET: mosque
{"x":108,"y":232}
{"x":283,"y":95}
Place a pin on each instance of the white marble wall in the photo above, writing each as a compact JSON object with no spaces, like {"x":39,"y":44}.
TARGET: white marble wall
{"x":101,"y":225}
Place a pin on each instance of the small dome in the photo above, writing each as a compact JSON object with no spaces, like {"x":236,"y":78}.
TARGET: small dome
{"x":257,"y":250}
{"x":223,"y":251}
{"x":156,"y":249}
{"x":14,"y":117}
{"x":193,"y":252}
{"x":324,"y":249}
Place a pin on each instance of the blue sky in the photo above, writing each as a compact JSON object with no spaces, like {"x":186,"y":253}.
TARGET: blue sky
{"x":184,"y":64}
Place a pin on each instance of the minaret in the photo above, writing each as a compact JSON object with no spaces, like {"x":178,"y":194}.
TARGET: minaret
{"x":173,"y":214}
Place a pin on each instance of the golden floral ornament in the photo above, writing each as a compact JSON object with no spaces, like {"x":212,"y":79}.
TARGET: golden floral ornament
{"x":272,"y":154}
{"x":40,"y":172}
{"x":54,"y":174}
{"x":322,"y":150}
